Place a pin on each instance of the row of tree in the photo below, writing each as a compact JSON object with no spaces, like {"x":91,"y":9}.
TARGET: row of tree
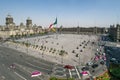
{"x":43,"y":48}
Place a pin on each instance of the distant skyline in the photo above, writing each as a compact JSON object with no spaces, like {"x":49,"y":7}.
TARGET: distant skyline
{"x":70,"y":13}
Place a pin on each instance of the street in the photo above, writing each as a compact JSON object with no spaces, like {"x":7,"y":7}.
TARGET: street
{"x":25,"y":65}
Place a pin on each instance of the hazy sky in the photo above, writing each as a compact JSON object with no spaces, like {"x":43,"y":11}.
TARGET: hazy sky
{"x":68,"y":12}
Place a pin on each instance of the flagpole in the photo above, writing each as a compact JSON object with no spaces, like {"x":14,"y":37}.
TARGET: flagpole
{"x":56,"y":29}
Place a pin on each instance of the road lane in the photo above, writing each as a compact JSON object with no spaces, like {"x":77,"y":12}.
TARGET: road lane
{"x":9,"y":56}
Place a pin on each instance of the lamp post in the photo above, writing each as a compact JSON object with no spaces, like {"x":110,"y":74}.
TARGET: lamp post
{"x":79,"y":59}
{"x":62,"y":59}
{"x":27,"y":43}
{"x":43,"y":48}
{"x":62,"y":52}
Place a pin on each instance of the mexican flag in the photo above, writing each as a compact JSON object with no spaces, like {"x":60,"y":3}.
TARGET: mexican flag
{"x":51,"y":27}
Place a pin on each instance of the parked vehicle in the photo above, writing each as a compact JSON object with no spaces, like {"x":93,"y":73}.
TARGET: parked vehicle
{"x":102,"y":62}
{"x":84,"y":68}
{"x":94,"y":65}
{"x":89,"y":63}
{"x":113,"y":60}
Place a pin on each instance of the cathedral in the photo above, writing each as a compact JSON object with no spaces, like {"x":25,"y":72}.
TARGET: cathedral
{"x":10,"y":29}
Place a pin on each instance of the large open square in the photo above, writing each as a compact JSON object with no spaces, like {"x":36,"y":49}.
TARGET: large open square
{"x":64,"y":49}
{"x":59,"y":40}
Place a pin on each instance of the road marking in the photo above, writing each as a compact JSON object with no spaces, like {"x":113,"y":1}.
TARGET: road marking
{"x":42,"y":63}
{"x":2,"y":77}
{"x":70,"y":73}
{"x":20,"y":66}
{"x":77,"y":73}
{"x":20,"y":76}
{"x":37,"y":66}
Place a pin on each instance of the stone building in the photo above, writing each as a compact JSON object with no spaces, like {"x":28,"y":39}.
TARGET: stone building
{"x":114,"y":32}
{"x":82,"y":30}
{"x":10,"y":29}
{"x":29,"y":23}
{"x":9,"y":20}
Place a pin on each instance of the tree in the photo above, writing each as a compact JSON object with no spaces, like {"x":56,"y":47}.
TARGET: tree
{"x":36,"y":46}
{"x":53,"y":78}
{"x":76,"y":55}
{"x":61,"y":52}
{"x":77,"y":47}
{"x":73,"y":51}
{"x":41,"y":48}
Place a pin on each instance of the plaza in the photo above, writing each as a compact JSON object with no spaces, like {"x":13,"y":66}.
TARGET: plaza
{"x":77,"y":49}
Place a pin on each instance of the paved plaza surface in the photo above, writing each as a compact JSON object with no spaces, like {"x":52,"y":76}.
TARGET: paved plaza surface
{"x":66,"y":42}
{"x":29,"y":59}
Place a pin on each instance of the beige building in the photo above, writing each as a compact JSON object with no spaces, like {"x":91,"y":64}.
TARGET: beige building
{"x":29,"y":23}
{"x":10,"y":29}
{"x":83,"y":30}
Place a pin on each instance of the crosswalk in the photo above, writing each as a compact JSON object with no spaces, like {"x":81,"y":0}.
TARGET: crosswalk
{"x":77,"y":73}
{"x":60,"y":71}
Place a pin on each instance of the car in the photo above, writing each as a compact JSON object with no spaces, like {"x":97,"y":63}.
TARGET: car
{"x":36,"y":73}
{"x":69,"y":67}
{"x":89,"y":63}
{"x":102,"y":62}
{"x":108,"y":50}
{"x":113,"y":60}
{"x":102,"y":44}
{"x":12,"y":66}
{"x":83,"y":46}
{"x":81,"y":50}
{"x":84,"y":68}
{"x":94,"y":65}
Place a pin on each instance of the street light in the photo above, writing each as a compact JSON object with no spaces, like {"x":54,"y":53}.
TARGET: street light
{"x":62,"y":52}
{"x":43,"y":48}
{"x":79,"y":58}
{"x":62,"y":59}
{"x":27,"y":45}
{"x":27,"y":42}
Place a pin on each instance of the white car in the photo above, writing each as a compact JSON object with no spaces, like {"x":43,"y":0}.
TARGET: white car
{"x":114,"y":60}
{"x":89,"y":63}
